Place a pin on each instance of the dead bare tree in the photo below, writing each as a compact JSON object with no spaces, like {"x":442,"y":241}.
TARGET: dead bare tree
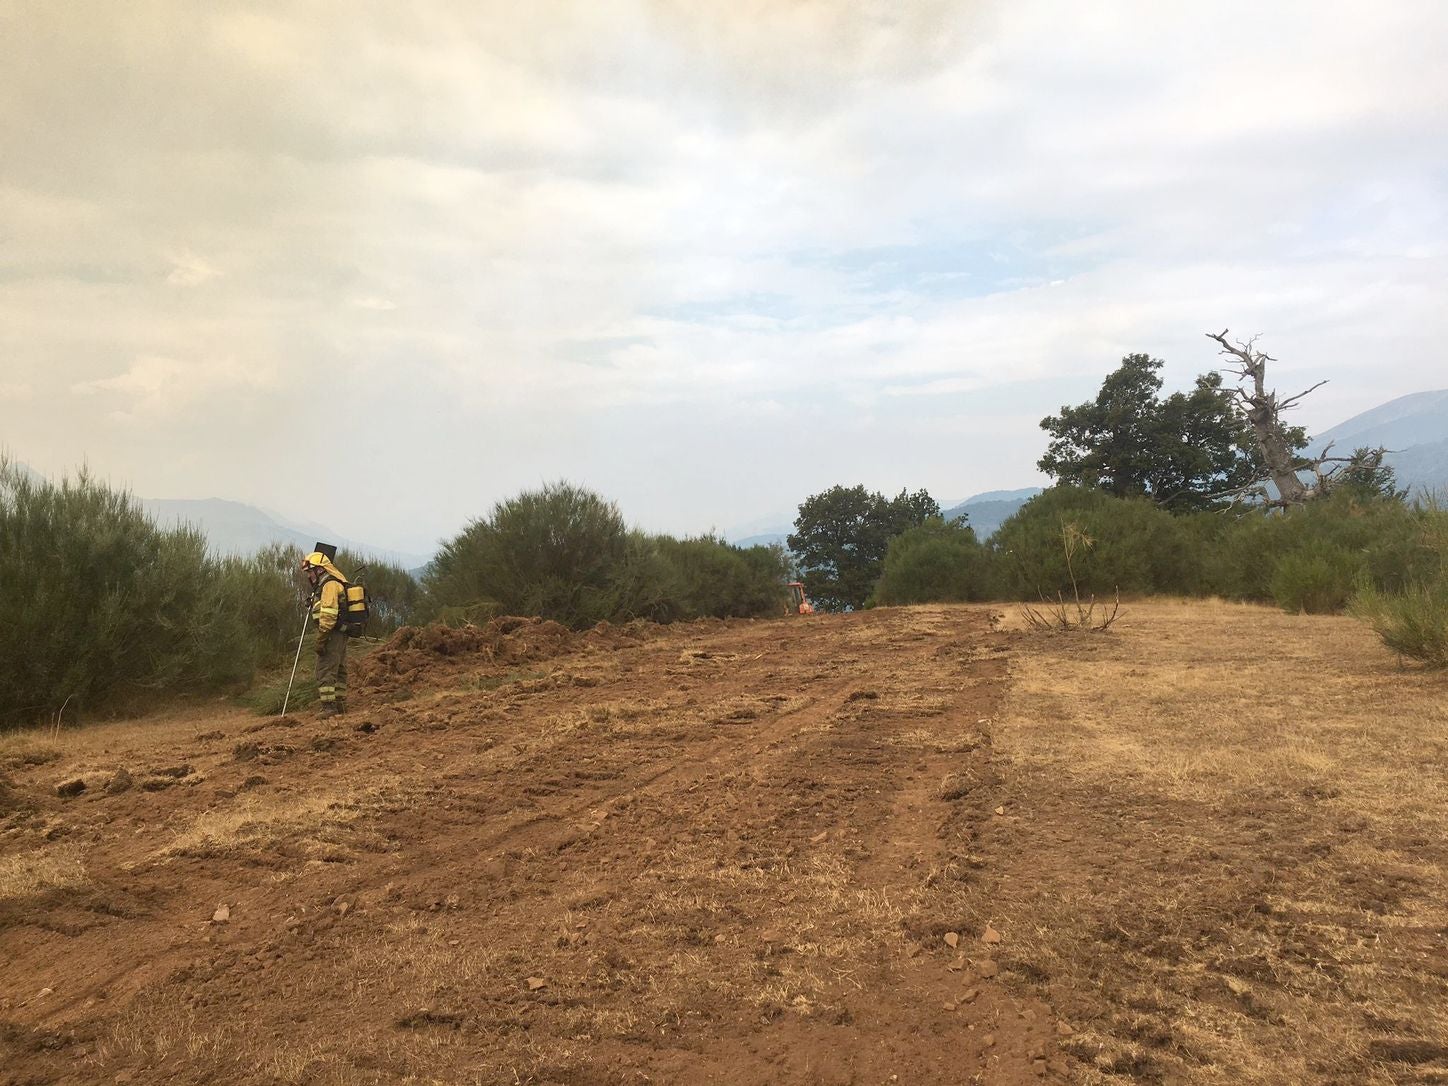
{"x":1280,"y":459}
{"x":1058,"y":614}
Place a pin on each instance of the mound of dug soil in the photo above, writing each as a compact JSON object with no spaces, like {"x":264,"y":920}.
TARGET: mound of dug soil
{"x":413,"y":652}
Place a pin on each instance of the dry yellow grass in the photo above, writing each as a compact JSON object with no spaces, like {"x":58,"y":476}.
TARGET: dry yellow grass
{"x":265,"y":820}
{"x":59,"y":867}
{"x":1225,"y":853}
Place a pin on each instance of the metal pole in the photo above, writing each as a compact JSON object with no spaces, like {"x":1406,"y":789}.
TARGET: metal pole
{"x":306,"y":616}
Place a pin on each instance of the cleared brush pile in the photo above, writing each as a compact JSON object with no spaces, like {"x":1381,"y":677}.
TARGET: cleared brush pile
{"x":415,"y":654}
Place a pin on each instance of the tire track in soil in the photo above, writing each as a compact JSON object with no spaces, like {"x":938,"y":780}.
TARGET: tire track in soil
{"x":724,"y":887}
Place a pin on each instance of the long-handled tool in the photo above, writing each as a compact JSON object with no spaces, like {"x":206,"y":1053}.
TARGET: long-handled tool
{"x":306,"y":617}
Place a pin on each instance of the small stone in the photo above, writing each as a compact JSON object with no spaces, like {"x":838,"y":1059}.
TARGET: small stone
{"x":952,"y":939}
{"x":66,"y":789}
{"x":990,"y":935}
{"x":820,"y":837}
{"x":120,"y":782}
{"x":1063,"y":1029}
{"x":1038,"y":1066}
{"x":948,"y":1006}
{"x":222,"y":915}
{"x":44,"y":992}
{"x":988,"y":1040}
{"x":968,"y":996}
{"x":987,"y":969}
{"x":1000,"y":810}
{"x":719,"y":938}
{"x":534,"y":983}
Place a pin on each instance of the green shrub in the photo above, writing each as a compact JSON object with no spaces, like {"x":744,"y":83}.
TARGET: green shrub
{"x":1316,"y":579}
{"x":1412,"y":618}
{"x":933,"y":563}
{"x":562,"y":552}
{"x":1345,"y":539}
{"x":1137,"y":547}
{"x":1412,"y":622}
{"x":711,"y":577}
{"x":104,"y":608}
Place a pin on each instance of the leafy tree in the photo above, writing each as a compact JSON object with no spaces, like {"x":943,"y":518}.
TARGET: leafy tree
{"x":1184,"y":452}
{"x":1365,"y":476}
{"x":841,"y":537}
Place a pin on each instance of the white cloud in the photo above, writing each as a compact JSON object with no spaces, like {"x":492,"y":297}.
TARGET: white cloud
{"x":189,"y":270}
{"x":575,"y":214}
{"x":156,"y":388}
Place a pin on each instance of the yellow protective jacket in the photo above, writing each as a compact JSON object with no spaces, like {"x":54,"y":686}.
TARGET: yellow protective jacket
{"x":327,"y":604}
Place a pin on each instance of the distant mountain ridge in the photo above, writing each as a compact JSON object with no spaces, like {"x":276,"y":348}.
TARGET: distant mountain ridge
{"x":1414,"y":428}
{"x":237,"y":528}
{"x":988,"y":511}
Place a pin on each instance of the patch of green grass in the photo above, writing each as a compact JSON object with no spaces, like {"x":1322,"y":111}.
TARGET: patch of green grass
{"x":267,"y":694}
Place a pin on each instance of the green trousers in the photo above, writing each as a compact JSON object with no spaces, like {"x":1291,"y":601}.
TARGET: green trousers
{"x":332,"y":669}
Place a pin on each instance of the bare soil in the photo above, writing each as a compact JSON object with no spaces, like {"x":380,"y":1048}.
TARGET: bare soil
{"x":910,"y":845}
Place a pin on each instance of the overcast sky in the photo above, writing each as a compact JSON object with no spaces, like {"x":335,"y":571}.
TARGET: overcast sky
{"x":380,"y":265}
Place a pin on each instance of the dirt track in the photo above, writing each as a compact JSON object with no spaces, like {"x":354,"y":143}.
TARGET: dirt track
{"x":719,"y":853}
{"x":1215,"y":840}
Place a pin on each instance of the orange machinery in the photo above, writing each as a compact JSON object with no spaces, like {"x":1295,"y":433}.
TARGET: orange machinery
{"x":799,"y":603}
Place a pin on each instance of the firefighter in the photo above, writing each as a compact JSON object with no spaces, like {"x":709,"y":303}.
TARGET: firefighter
{"x":328,"y":597}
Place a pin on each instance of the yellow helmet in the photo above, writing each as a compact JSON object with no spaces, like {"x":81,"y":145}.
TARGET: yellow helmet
{"x":316,"y":560}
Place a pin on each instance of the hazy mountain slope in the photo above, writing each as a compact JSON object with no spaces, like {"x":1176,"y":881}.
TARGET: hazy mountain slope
{"x":237,"y":528}
{"x":230,"y":527}
{"x":1417,"y":419}
{"x":1413,"y":428}
{"x":988,"y":511}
